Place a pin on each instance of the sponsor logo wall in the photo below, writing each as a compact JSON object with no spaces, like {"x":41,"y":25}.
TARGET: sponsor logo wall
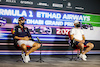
{"x":66,"y":5}
{"x":51,"y":26}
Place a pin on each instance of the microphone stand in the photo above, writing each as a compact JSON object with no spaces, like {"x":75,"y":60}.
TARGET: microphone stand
{"x":40,"y":60}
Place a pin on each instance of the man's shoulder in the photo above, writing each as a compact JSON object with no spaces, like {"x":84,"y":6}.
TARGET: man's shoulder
{"x":16,"y":27}
{"x":19,"y":27}
{"x":25,"y":27}
{"x":76,"y":29}
{"x":72,"y":28}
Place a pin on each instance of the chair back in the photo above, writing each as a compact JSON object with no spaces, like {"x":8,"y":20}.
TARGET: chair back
{"x":71,"y":42}
{"x":14,"y":40}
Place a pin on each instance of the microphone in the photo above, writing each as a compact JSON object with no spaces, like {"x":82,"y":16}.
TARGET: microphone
{"x":38,"y":39}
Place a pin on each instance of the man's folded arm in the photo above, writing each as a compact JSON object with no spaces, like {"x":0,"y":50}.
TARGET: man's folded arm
{"x":72,"y":38}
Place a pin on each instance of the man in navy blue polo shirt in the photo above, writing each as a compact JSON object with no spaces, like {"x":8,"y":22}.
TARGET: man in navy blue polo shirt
{"x":24,"y":39}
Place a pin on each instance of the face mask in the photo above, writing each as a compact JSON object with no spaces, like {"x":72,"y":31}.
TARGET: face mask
{"x":22,"y":24}
{"x":78,"y":25}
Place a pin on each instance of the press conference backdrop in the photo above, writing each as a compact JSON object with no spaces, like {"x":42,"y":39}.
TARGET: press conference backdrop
{"x":51,"y":26}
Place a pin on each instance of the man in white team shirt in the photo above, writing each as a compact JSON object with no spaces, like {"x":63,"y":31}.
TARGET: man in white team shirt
{"x":77,"y":34}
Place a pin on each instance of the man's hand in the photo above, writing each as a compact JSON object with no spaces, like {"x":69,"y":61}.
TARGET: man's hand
{"x":82,"y":41}
{"x":26,"y":38}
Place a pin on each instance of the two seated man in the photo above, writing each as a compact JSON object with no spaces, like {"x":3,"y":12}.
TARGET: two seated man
{"x":24,"y":39}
